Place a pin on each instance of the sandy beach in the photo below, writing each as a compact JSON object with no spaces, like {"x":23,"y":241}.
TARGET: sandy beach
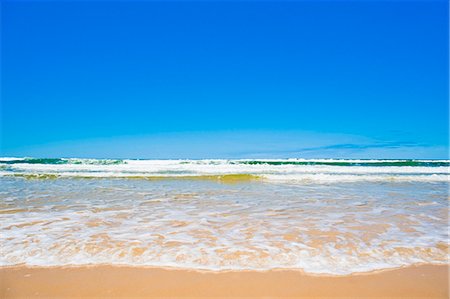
{"x":353,"y":229}
{"x":426,"y":281}
{"x":224,"y":149}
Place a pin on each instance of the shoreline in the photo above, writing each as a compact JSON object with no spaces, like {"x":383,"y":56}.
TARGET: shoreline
{"x":425,"y":281}
{"x":213,"y":271}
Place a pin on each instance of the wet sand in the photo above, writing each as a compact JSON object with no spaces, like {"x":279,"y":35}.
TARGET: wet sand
{"x":426,"y":281}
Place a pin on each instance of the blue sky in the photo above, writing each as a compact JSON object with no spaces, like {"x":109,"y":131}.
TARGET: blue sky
{"x":181,"y":79}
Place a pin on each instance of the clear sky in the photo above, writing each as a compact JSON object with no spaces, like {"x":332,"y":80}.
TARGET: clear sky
{"x":181,"y":79}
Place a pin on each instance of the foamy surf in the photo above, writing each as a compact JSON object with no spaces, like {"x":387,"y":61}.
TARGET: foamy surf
{"x":288,"y":170}
{"x":311,"y":215}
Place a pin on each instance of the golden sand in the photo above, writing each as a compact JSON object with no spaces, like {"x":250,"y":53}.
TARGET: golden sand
{"x":424,"y":281}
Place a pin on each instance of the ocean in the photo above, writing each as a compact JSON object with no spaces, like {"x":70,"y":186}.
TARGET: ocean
{"x":319,"y":216}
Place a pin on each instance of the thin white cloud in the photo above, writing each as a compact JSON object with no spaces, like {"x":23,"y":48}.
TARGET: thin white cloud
{"x":237,"y":144}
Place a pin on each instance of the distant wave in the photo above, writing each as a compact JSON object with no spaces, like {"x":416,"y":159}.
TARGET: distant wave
{"x":379,"y":163}
{"x":329,"y":162}
{"x":287,"y":170}
{"x":59,"y":161}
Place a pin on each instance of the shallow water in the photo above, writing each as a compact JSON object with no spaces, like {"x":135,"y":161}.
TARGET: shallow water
{"x":351,"y":223}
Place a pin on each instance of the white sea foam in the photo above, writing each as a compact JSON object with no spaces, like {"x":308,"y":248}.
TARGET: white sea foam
{"x":330,"y":219}
{"x":284,"y":172}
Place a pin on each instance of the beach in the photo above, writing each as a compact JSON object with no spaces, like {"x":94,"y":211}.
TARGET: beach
{"x":127,"y":282}
{"x":224,"y":228}
{"x":224,"y":149}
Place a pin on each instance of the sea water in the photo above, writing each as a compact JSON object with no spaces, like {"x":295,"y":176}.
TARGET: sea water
{"x":318,"y":216}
